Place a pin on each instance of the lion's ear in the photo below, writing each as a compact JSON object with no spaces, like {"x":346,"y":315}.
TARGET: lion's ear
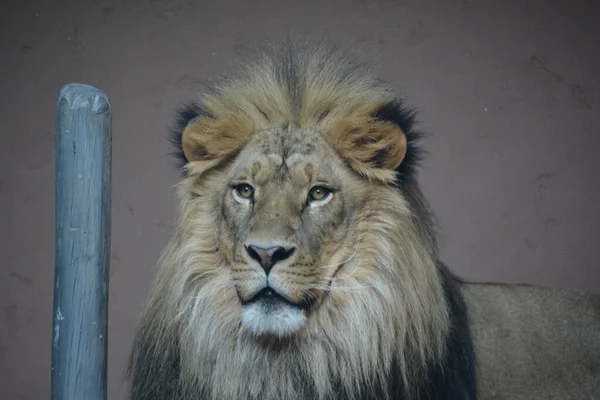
{"x":372,"y":146}
{"x":207,"y":141}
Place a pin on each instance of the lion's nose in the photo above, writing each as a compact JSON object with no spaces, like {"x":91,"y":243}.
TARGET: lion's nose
{"x":267,"y":258}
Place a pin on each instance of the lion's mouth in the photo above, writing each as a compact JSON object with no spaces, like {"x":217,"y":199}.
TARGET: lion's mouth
{"x":270,"y":298}
{"x":271,"y":314}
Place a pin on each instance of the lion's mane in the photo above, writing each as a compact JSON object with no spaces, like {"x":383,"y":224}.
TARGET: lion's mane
{"x":413,"y":342}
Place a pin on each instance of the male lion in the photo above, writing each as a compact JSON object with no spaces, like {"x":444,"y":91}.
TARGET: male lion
{"x":304,"y":264}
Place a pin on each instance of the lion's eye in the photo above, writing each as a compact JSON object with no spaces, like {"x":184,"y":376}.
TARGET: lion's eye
{"x":243,"y":192}
{"x":319,"y":195}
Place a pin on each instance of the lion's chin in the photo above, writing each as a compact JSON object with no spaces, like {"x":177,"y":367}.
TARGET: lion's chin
{"x":272,"y":318}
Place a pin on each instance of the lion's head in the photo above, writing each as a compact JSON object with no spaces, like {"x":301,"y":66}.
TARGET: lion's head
{"x":303,"y":263}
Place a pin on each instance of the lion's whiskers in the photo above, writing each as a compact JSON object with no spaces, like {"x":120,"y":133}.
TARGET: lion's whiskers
{"x":348,"y":275}
{"x":345,"y":261}
{"x":344,"y":288}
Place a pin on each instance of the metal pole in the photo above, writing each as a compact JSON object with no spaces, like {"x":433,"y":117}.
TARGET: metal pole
{"x":83,"y":219}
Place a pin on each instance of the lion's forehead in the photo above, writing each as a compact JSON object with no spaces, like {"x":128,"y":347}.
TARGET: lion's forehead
{"x":287,"y":140}
{"x":281,"y":170}
{"x":299,"y":155}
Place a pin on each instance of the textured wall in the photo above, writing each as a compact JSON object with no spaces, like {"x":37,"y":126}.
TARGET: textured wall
{"x":509,"y":91}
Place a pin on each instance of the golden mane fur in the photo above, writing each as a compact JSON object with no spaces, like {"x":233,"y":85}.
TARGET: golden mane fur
{"x":387,"y":311}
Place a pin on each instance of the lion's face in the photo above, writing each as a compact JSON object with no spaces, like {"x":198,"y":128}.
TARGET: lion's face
{"x":287,"y":202}
{"x":286,"y":222}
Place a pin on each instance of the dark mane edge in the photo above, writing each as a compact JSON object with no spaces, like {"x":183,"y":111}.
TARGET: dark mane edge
{"x":184,"y":115}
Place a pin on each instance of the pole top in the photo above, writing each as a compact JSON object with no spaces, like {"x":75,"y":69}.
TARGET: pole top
{"x":78,"y":95}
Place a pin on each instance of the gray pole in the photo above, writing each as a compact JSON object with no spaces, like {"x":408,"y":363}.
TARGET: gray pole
{"x":83,"y":216}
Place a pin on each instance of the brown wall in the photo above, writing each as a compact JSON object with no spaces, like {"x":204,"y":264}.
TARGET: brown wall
{"x":509,"y":91}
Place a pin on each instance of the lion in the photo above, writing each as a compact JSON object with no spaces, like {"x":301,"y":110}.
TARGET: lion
{"x":304,"y":262}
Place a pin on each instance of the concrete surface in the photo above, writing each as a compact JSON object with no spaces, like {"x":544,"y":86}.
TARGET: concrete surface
{"x":509,"y":91}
